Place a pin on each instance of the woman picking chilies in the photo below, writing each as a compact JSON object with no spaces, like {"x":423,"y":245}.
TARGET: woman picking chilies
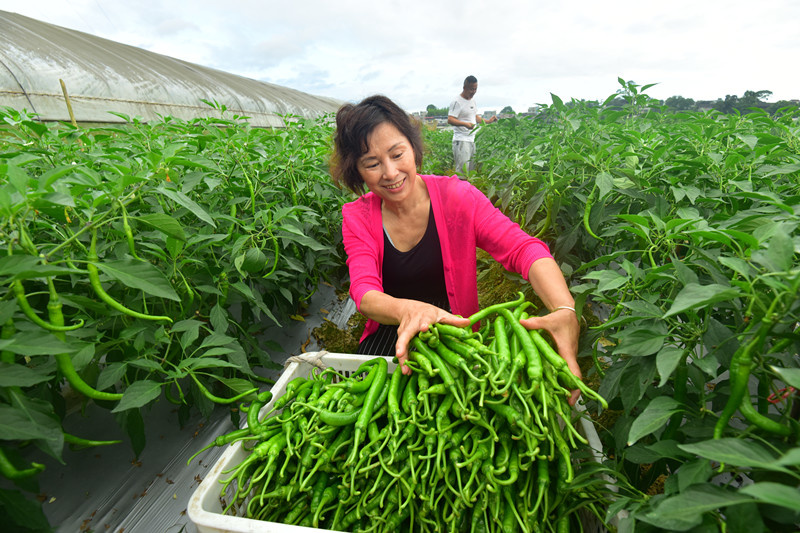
{"x":411,"y":240}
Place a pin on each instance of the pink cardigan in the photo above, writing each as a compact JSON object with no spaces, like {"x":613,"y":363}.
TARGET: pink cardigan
{"x":465,"y":220}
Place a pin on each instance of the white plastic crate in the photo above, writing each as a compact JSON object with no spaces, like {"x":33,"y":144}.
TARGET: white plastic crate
{"x":205,"y":508}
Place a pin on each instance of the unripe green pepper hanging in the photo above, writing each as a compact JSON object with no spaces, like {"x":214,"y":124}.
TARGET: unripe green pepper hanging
{"x":63,"y":359}
{"x":94,"y":280}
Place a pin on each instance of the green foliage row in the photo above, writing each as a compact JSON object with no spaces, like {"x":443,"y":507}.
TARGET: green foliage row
{"x":680,"y":235}
{"x":165,"y":250}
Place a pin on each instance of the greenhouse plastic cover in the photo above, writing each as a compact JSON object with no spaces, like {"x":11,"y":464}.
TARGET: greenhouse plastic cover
{"x":102,"y":76}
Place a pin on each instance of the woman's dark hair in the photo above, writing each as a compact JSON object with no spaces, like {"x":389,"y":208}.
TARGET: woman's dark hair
{"x":354,"y":124}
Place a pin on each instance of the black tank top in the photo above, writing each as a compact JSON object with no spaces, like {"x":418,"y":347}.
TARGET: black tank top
{"x":417,"y":274}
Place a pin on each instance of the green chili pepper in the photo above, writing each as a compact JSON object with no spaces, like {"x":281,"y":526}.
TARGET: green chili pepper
{"x":486,"y":311}
{"x":94,"y":281}
{"x":217,"y":399}
{"x":22,"y":300}
{"x":739,"y":370}
{"x":87,"y":443}
{"x":126,"y":227}
{"x":63,"y":359}
{"x":587,"y":211}
{"x":9,"y":471}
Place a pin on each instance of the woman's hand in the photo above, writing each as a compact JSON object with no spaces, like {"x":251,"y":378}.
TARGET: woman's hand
{"x":563,"y":327}
{"x":418,"y":316}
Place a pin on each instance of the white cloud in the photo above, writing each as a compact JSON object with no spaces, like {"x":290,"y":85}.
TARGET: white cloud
{"x":419,"y":52}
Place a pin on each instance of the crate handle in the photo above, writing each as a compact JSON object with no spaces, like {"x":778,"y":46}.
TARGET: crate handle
{"x":311,"y":358}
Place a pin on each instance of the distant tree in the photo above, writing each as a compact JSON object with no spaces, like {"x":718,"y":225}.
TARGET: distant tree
{"x":728,"y":105}
{"x":753,"y":99}
{"x":432,"y":110}
{"x":679,"y":103}
{"x":744,"y":103}
{"x":507,"y":109}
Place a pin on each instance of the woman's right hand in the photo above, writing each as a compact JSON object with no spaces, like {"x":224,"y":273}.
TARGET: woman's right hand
{"x":418,"y":316}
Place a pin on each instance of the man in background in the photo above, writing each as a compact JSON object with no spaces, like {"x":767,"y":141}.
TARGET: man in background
{"x":463,"y":116}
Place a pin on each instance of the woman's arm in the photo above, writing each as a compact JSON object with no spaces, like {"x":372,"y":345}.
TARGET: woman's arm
{"x":562,"y":324}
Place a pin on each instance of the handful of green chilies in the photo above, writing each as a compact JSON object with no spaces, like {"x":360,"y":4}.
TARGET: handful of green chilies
{"x":479,"y":438}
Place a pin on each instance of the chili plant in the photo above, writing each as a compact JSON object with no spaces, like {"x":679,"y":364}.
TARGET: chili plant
{"x":145,"y":261}
{"x":679,"y":233}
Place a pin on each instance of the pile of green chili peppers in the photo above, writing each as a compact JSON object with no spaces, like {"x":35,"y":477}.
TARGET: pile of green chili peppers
{"x":480,"y":437}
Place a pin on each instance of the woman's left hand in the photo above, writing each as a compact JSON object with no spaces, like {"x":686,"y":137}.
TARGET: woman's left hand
{"x":563,"y":327}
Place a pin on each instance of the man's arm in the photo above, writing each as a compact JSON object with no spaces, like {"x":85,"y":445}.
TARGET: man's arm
{"x":453,"y":121}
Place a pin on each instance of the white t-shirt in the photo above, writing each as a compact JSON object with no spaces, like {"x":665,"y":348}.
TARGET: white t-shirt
{"x":466,"y":111}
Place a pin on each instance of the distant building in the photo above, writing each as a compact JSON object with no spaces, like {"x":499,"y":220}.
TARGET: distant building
{"x":435,"y":121}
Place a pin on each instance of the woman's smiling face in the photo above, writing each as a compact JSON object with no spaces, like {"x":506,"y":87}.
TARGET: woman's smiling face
{"x":389,"y":167}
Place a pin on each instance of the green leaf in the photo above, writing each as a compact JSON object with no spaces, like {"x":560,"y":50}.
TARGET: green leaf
{"x":36,"y":343}
{"x":180,"y":198}
{"x":667,"y":361}
{"x":790,"y":376}
{"x":185,"y":325}
{"x":245,"y":291}
{"x":140,"y":275}
{"x":217,"y":339}
{"x":749,"y":140}
{"x":654,"y":416}
{"x":641,"y":340}
{"x":40,"y":413}
{"x":196,"y":363}
{"x":21,"y":267}
{"x":237,"y":385}
{"x":607,"y":279}
{"x":692,"y":473}
{"x":774,"y":494}
{"x":738,"y":265}
{"x":110,"y":375}
{"x":17,"y":177}
{"x":21,"y":513}
{"x":52,"y":175}
{"x":695,"y":296}
{"x":296,"y":234}
{"x":744,"y":518}
{"x":769,"y":198}
{"x":219,"y":319}
{"x":138,"y":394}
{"x":736,"y":452}
{"x":133,"y":423}
{"x":84,"y":356}
{"x":145,"y":364}
{"x":742,"y":237}
{"x":685,"y":510}
{"x":163,"y":223}
{"x":791,"y":458}
{"x":780,"y":252}
{"x":13,"y":375}
{"x":605,"y":184}
{"x":190,"y":329}
{"x":689,"y":191}
{"x":216,"y":352}
{"x":16,"y":425}
{"x":667,"y":449}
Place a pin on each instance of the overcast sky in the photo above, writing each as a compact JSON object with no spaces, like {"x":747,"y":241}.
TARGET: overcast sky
{"x":418,"y":52}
